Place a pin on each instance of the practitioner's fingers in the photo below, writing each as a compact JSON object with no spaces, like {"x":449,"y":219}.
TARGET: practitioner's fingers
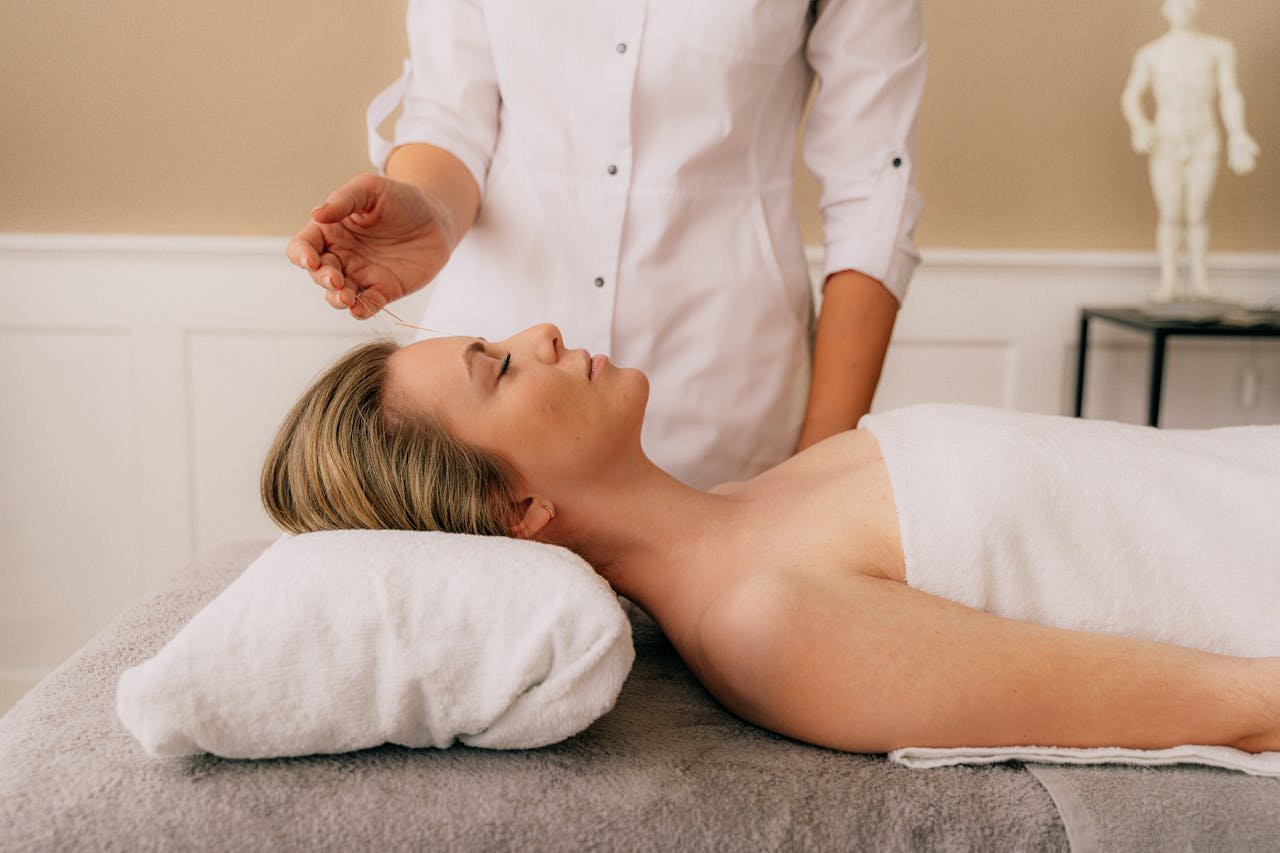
{"x":369,"y":304}
{"x":306,"y":250}
{"x":340,"y":299}
{"x":305,"y":247}
{"x":358,"y":194}
{"x":329,"y":273}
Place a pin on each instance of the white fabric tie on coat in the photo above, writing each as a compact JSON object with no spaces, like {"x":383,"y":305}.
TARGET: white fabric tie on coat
{"x":1166,"y":535}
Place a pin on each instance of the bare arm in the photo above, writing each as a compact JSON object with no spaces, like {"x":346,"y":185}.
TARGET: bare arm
{"x":870,"y":665}
{"x":853,"y":334}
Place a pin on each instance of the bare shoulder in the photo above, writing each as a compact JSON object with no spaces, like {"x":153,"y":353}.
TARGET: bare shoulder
{"x":761,"y":645}
{"x":808,"y":655}
{"x":741,"y":638}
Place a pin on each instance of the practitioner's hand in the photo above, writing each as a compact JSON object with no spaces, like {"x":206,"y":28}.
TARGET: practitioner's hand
{"x":380,"y":238}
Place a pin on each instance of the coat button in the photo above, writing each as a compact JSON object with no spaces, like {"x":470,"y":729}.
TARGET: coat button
{"x":613,"y":170}
{"x":897,"y":161}
{"x":599,"y":282}
{"x":622,"y":47}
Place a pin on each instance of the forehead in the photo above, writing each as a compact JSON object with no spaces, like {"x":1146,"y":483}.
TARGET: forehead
{"x":432,"y":350}
{"x":429,"y":372}
{"x":432,"y":354}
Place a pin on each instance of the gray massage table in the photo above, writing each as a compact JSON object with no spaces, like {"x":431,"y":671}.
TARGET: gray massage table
{"x":667,"y":769}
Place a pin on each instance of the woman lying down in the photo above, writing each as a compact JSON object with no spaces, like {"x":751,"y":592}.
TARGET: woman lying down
{"x":940,"y":576}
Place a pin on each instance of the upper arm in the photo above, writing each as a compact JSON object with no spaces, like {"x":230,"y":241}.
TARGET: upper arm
{"x":860,"y":138}
{"x":451,"y":95}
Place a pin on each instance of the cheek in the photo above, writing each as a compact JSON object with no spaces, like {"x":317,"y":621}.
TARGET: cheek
{"x":568,"y":422}
{"x":544,"y":414}
{"x":553,"y":421}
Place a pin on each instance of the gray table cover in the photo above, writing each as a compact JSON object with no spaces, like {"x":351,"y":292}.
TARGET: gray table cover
{"x":667,"y":769}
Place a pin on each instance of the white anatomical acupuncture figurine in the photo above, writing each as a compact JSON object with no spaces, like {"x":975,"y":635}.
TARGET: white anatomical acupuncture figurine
{"x":1185,"y":69}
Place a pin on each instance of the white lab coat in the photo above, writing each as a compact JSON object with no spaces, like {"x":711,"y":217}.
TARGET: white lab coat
{"x":635,"y":160}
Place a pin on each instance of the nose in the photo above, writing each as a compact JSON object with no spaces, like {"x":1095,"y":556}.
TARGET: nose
{"x":544,"y":340}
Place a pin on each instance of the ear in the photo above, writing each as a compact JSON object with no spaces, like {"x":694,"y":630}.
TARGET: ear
{"x":534,"y":513}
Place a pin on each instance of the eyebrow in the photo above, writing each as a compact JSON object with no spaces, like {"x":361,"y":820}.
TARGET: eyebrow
{"x":469,"y":354}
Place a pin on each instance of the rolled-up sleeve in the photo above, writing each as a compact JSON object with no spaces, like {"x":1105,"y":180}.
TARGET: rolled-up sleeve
{"x":449,"y":88}
{"x":860,"y":137}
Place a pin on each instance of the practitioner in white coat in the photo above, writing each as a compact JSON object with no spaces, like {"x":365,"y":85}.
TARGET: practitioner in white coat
{"x":626,"y":171}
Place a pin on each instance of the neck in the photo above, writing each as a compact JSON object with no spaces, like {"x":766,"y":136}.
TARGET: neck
{"x":655,"y":540}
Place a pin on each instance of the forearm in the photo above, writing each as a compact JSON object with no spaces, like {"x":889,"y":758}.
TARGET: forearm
{"x":441,"y":175}
{"x":853,"y":333}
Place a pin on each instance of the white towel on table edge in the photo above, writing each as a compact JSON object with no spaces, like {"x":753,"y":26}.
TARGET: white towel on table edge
{"x":1253,"y":763}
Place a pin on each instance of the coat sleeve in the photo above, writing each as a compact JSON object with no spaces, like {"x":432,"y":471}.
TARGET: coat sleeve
{"x":860,"y":138}
{"x":448,"y":87}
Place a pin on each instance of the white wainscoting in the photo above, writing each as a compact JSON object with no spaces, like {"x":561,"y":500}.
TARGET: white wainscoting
{"x":142,"y":378}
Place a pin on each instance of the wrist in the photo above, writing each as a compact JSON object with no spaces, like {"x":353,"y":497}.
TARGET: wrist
{"x":443,"y":215}
{"x":443,"y":179}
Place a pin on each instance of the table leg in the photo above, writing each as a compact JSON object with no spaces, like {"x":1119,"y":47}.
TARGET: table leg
{"x":1157,"y":378}
{"x":1080,"y":360}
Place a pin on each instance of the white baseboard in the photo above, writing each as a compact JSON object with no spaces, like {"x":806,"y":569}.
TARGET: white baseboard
{"x":144,"y":374}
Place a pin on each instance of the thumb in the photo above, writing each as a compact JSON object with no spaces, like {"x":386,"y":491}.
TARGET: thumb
{"x":357,"y":195}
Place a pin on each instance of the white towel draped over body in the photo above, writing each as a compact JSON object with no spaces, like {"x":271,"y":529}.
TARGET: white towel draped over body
{"x":1167,"y":535}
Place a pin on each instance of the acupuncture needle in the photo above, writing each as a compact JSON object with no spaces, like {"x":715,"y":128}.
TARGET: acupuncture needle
{"x":394,"y":316}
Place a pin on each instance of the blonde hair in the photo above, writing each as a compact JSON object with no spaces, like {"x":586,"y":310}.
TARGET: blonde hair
{"x":345,"y":458}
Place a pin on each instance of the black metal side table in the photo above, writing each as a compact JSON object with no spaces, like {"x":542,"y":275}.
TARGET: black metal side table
{"x":1234,"y":323}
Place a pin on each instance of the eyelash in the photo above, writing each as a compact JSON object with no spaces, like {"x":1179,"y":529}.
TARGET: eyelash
{"x":505,"y":363}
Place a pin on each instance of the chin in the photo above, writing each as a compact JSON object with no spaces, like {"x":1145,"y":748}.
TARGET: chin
{"x":641,"y":383}
{"x":635,"y":394}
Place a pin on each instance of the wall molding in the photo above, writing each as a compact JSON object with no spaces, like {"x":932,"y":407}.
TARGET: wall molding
{"x":1072,"y":261}
{"x":162,"y":244}
{"x":936,"y":258}
{"x":1095,"y":261}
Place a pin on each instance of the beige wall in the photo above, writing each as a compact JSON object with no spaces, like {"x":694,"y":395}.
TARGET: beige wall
{"x":234,"y":118}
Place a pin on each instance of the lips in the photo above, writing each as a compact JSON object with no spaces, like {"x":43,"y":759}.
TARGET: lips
{"x":597,"y":364}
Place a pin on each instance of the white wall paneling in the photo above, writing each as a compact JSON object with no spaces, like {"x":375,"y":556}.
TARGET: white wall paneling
{"x":142,"y":378}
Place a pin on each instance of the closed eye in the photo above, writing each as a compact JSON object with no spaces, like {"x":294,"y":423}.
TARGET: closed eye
{"x":506,"y":362}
